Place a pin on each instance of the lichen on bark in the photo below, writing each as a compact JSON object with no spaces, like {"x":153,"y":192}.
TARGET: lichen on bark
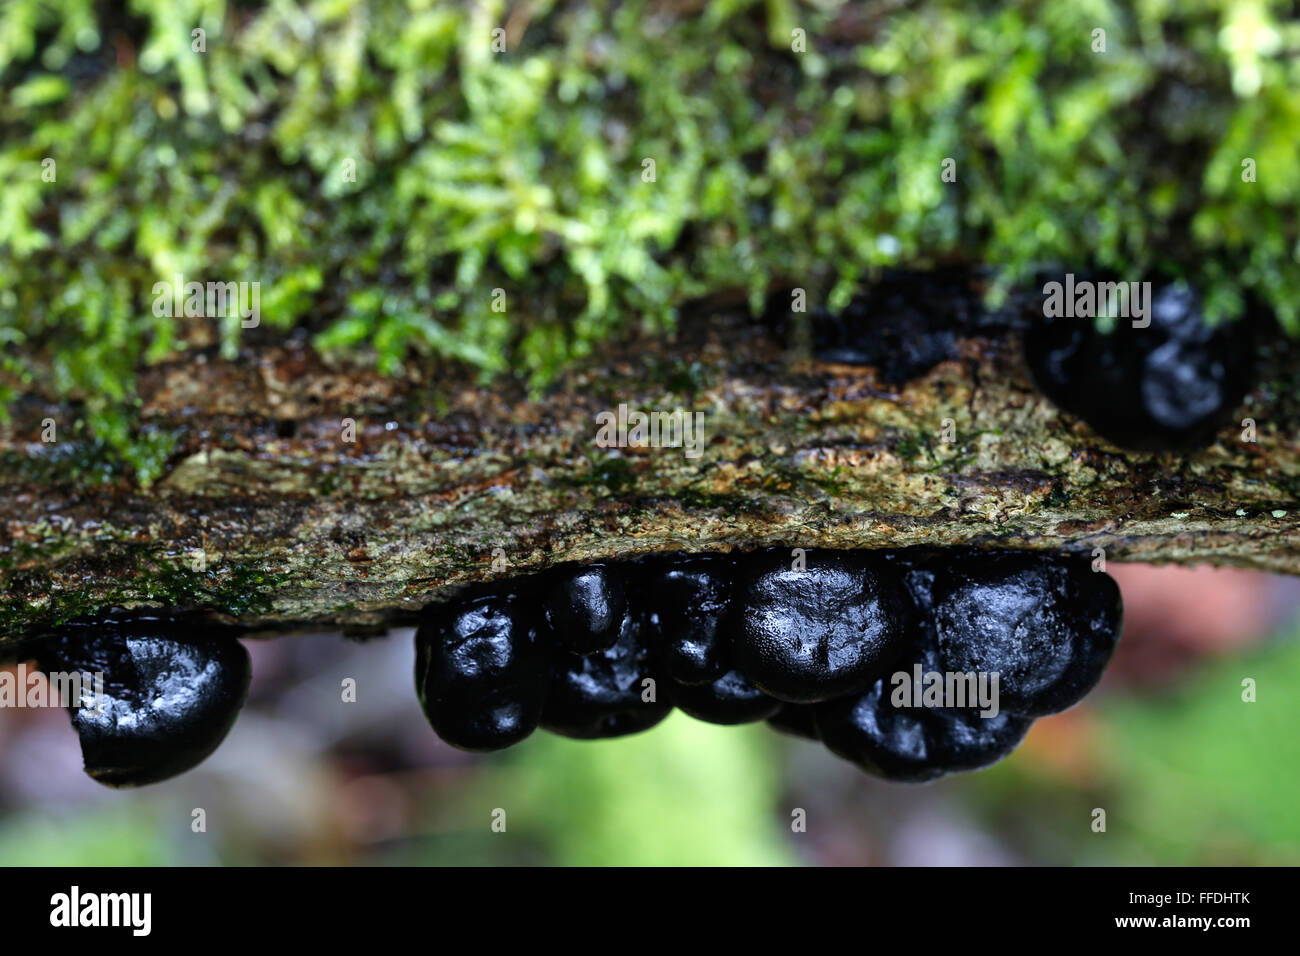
{"x":453,"y":482}
{"x":792,"y":145}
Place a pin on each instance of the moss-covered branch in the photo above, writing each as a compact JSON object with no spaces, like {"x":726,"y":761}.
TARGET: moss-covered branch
{"x":295,"y":524}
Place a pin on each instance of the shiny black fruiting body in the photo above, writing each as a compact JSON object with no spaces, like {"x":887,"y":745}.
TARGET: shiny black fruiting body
{"x":731,"y":699}
{"x":1046,"y":626}
{"x":610,"y":693}
{"x":481,"y":671}
{"x":892,"y":731}
{"x":172,"y":691}
{"x":1166,"y":387}
{"x":690,"y":601}
{"x":826,"y":630}
{"x":907,"y":322}
{"x":825,"y":627}
{"x":810,"y":641}
{"x":914,"y":744}
{"x":585,"y":608}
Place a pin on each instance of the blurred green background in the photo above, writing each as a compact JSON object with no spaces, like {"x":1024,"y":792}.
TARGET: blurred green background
{"x":1186,"y":771}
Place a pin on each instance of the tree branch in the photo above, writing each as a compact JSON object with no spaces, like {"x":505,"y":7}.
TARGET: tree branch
{"x":267,"y":516}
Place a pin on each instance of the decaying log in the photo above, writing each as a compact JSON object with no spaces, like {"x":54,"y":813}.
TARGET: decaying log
{"x":265,"y":515}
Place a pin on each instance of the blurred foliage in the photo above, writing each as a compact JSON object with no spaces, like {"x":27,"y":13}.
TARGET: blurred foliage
{"x":1208,"y":778}
{"x":1192,"y":775}
{"x":683,"y":794}
{"x":522,"y":170}
{"x":120,"y":836}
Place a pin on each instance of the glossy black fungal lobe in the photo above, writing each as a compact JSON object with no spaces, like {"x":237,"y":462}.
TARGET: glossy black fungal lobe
{"x":900,"y":738}
{"x":609,"y":693}
{"x":1047,"y":626}
{"x":482,"y":669}
{"x":731,"y":699}
{"x":585,"y":607}
{"x":690,"y":598}
{"x":827,"y":629}
{"x":1166,"y":387}
{"x":171,"y":692}
{"x":907,"y":322}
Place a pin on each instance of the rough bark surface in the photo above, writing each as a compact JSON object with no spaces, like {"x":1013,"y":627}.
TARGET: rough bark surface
{"x":298,"y":527}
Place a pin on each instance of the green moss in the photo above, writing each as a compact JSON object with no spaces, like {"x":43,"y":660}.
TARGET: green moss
{"x":832,"y":482}
{"x":235,"y":590}
{"x":123,"y":452}
{"x":708,"y":501}
{"x":522,"y":171}
{"x":1058,"y":497}
{"x":67,"y":462}
{"x":615,"y":474}
{"x":915,"y":446}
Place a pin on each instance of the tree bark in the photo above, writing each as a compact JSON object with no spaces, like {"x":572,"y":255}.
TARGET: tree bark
{"x":266,"y":516}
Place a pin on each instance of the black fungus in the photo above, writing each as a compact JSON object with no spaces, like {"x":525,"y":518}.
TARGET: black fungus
{"x":811,"y":645}
{"x":690,"y":599}
{"x":1167,"y":387}
{"x":584,"y":607}
{"x":907,"y":322}
{"x":610,"y":693}
{"x":821,"y":631}
{"x":482,"y":668}
{"x":171,"y":692}
{"x":1047,"y":626}
{"x":899,"y":738}
{"x":730,"y":699}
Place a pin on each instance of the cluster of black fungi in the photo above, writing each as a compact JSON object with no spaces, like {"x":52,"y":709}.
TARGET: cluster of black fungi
{"x":1165,"y":382}
{"x":814,"y":642}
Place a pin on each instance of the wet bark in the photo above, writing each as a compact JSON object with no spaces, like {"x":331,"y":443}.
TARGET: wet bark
{"x":267,"y":516}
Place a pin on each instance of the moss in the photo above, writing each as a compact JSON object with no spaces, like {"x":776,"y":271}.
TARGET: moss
{"x":613,"y":473}
{"x":833,"y":482}
{"x":699,"y":499}
{"x":522,"y":171}
{"x":235,"y":590}
{"x":915,"y":446}
{"x":80,"y":463}
{"x":124,"y":451}
{"x":1058,"y":497}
